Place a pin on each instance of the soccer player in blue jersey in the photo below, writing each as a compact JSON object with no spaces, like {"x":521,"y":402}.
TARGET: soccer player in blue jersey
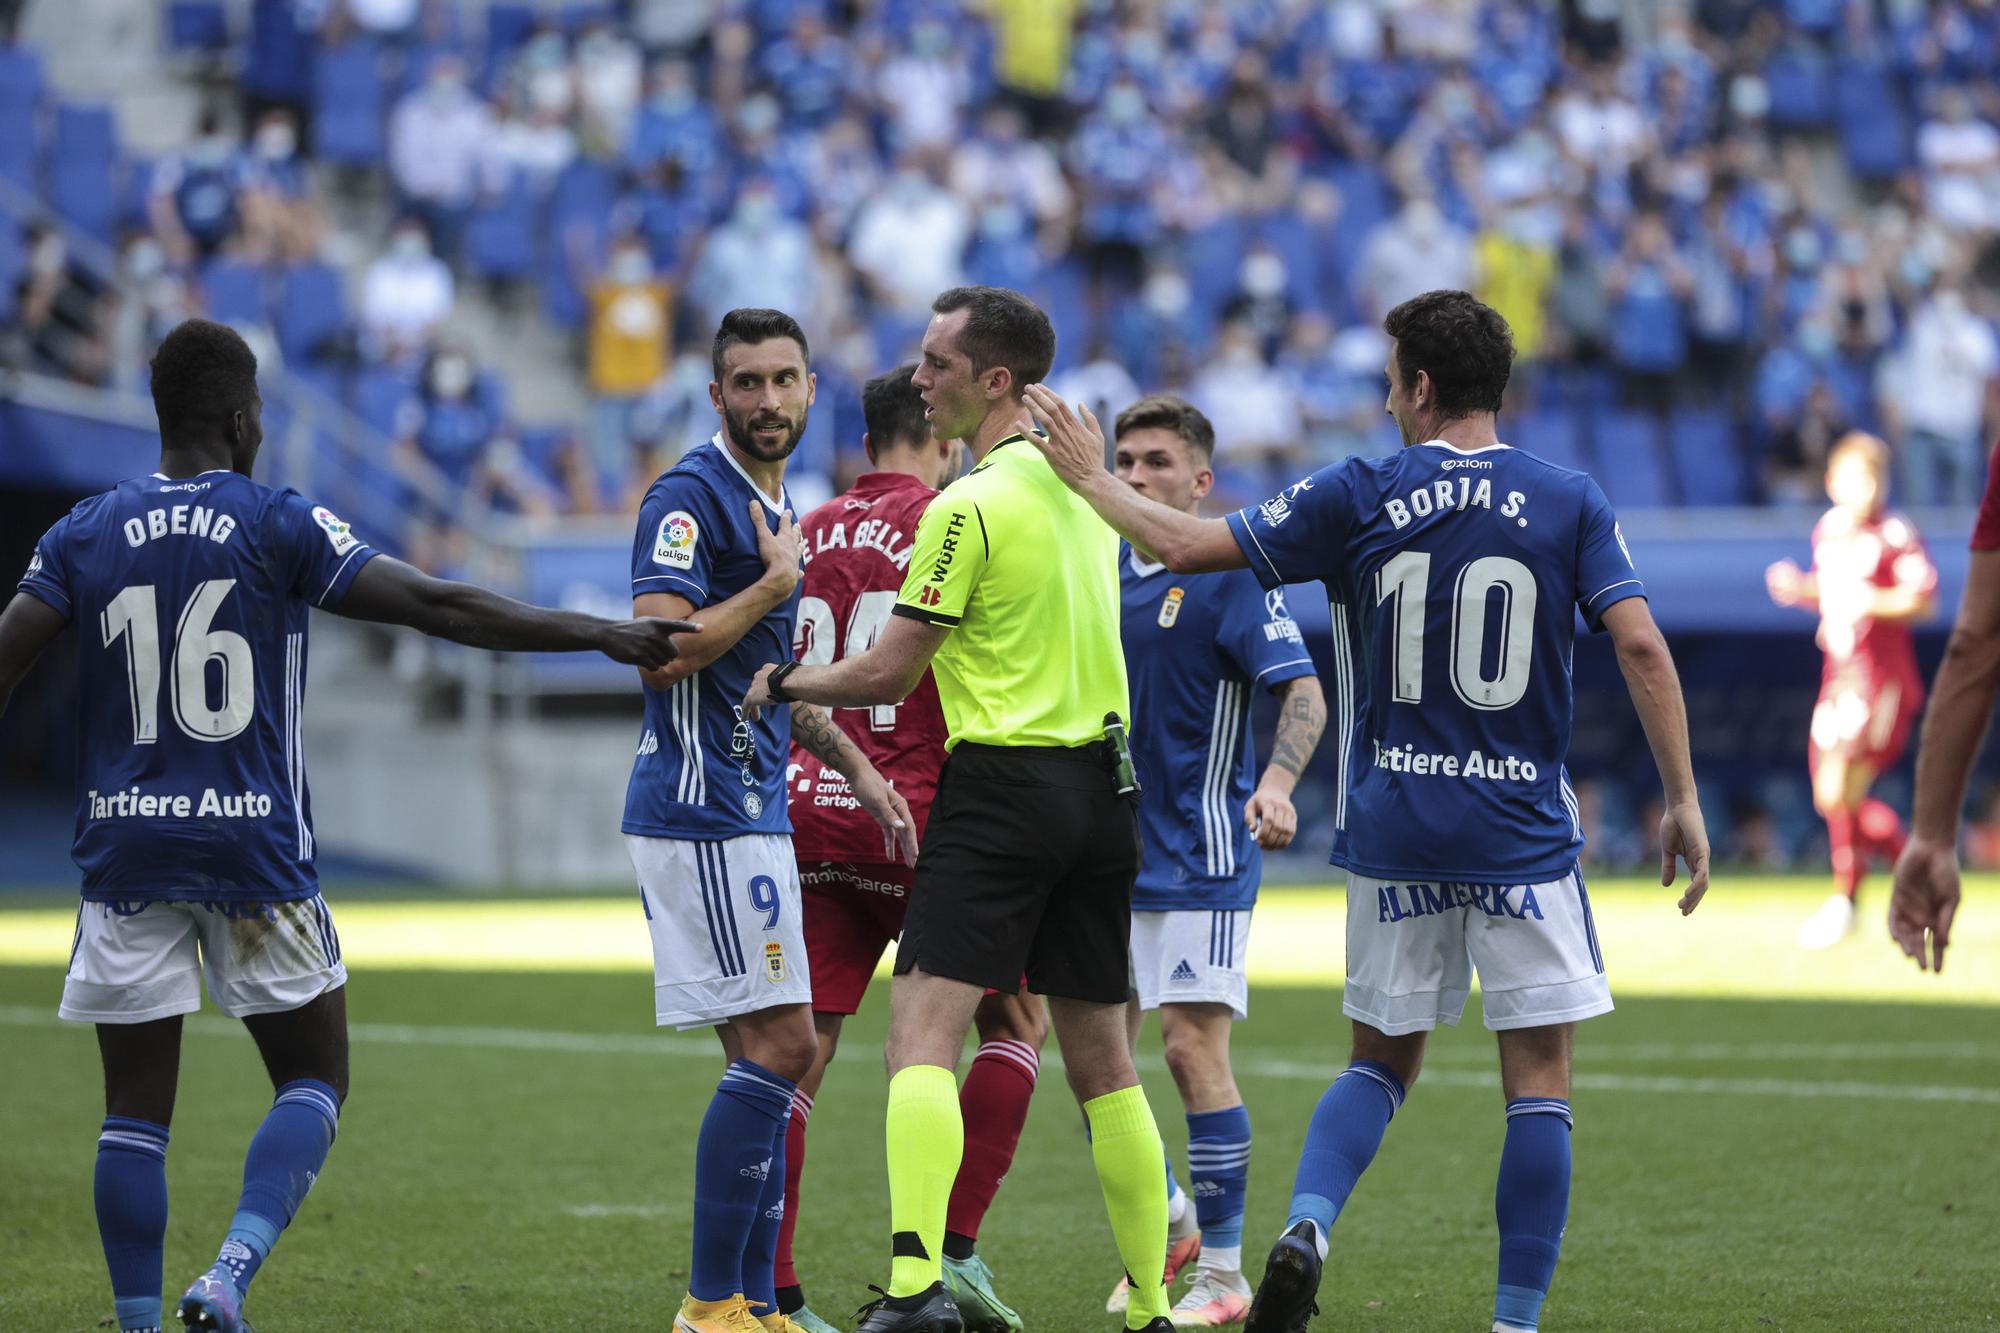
{"x":705,"y":813}
{"x":1196,"y":645}
{"x":1455,"y":571}
{"x":190,"y":589}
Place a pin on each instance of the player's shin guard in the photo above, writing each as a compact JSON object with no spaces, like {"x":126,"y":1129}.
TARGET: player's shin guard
{"x":1531,"y":1202}
{"x":1219,"y":1168}
{"x":1346,"y":1129}
{"x":785,"y":1274}
{"x":994,"y":1106}
{"x":734,"y":1160}
{"x":926,"y":1143}
{"x":130,"y":1188}
{"x":1125,"y":1144}
{"x":285,"y":1158}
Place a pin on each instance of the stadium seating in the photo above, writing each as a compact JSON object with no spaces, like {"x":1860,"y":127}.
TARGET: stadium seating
{"x":197,"y":25}
{"x":1629,"y":467}
{"x":233,"y":292}
{"x":501,"y":236}
{"x":1708,"y":462}
{"x":311,"y":311}
{"x":349,"y":104}
{"x":82,"y":159}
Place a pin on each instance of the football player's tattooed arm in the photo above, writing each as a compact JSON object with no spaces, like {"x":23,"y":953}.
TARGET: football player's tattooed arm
{"x":1074,"y":447}
{"x":1301,"y":718}
{"x":27,"y":626}
{"x":885,"y":674}
{"x":813,"y":728}
{"x":393,"y":593}
{"x":730,"y":619}
{"x":1656,"y":693}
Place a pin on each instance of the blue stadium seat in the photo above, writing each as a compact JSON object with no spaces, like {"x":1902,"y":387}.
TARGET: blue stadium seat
{"x":82,"y":168}
{"x":379,"y":395}
{"x":1873,"y":123}
{"x":1707,"y":457}
{"x":13,"y":260}
{"x":508,"y":25}
{"x":1548,"y":433}
{"x":583,"y":189}
{"x":21,"y":83}
{"x":17,"y":144}
{"x":233,"y":293}
{"x":84,"y":134}
{"x":1214,"y":261}
{"x":578,"y":13}
{"x":500,"y":237}
{"x":312,"y":310}
{"x":1629,"y":466}
{"x":1800,"y":78}
{"x":349,"y":104}
{"x":197,"y":25}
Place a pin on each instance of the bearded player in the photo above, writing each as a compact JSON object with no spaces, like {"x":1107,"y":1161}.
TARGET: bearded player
{"x":857,"y":548}
{"x":1871,"y":580}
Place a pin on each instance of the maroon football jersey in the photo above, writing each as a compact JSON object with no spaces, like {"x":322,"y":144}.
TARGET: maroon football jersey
{"x":857,"y":548}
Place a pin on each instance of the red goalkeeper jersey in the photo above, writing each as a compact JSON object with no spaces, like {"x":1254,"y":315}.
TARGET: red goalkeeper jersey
{"x":857,"y":547}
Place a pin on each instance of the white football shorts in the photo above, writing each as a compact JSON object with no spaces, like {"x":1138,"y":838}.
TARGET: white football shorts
{"x":1194,"y":957}
{"x":1412,"y":950}
{"x":728,"y":933}
{"x":135,"y":962}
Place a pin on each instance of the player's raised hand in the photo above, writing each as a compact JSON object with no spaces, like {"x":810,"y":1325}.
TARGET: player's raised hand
{"x":888,"y":808}
{"x":1074,"y":445}
{"x":758,"y":697}
{"x":1924,"y":901}
{"x":647,"y":642}
{"x":1785,"y":581}
{"x":1684,"y":835}
{"x":783,"y":551}
{"x":1271,"y":818}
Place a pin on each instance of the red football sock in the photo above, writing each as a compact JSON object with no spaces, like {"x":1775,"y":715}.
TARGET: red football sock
{"x":1881,"y":831}
{"x":1849,"y":861}
{"x":795,"y":1165}
{"x":994,"y":1102}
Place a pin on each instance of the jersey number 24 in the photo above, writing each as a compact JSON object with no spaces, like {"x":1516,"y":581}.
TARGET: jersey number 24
{"x":864,"y":625}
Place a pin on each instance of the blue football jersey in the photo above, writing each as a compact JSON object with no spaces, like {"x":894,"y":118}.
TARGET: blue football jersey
{"x":1196,"y":645}
{"x":190,"y":600}
{"x":1454,"y":579}
{"x":702,"y":771}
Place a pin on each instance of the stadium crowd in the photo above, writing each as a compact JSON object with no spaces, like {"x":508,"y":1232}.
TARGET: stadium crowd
{"x":1720,"y":246}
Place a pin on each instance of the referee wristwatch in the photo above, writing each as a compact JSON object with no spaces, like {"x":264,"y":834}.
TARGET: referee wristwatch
{"x":775,"y":682}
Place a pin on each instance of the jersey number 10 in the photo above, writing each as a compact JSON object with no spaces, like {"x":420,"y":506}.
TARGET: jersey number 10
{"x":1406,"y":577}
{"x":864,"y":625}
{"x":134,"y":615}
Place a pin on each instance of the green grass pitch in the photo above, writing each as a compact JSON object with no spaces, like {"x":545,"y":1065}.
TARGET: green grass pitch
{"x":1751,"y":1151}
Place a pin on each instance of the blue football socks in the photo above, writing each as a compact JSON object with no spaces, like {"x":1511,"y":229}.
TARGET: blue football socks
{"x":130,"y":1188}
{"x":1219,"y":1169}
{"x":284,"y":1160}
{"x":1346,"y":1129}
{"x":1531,"y":1202}
{"x":760,"y":1251}
{"x":738,"y":1158}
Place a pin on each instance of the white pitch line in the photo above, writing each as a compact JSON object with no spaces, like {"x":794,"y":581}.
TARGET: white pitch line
{"x":684,"y":1047}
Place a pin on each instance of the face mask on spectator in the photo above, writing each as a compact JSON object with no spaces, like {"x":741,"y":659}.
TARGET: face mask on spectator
{"x":673,"y":99}
{"x":410,"y":245}
{"x":446,"y":85}
{"x":1815,"y":339}
{"x":758,"y":116}
{"x":49,"y":256}
{"x":145,"y":259}
{"x":277,"y":141}
{"x":1125,"y":104}
{"x":1001,"y":222}
{"x":756,"y":212}
{"x":1167,"y":294}
{"x":1749,"y":99}
{"x":451,"y":376}
{"x":910,"y":186}
{"x":1263,"y":275}
{"x":631,"y":266}
{"x":1802,"y":248}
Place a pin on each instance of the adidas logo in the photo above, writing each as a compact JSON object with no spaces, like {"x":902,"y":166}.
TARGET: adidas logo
{"x":761,"y":1171}
{"x":1182,"y":973}
{"x":1207,"y":1189}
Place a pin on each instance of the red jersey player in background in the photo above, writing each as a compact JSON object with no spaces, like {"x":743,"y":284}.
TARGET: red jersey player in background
{"x":1871,"y":580}
{"x":857,"y":548}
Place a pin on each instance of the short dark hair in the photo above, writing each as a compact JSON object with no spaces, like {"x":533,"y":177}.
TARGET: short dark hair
{"x":750,"y":325}
{"x":892,"y":411}
{"x":202,"y":373}
{"x":1163,"y":411}
{"x":1463,"y":343}
{"x":1002,"y":328}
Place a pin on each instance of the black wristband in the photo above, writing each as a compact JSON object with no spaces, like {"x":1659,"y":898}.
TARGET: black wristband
{"x":775,"y":682}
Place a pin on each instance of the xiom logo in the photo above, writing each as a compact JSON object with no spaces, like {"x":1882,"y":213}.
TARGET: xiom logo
{"x":1480,"y":463}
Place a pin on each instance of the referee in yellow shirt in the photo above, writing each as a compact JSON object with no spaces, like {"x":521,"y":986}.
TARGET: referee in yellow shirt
{"x":1011,"y":598}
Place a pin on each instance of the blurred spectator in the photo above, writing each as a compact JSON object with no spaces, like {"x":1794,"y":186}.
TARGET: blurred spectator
{"x":1254,"y":409}
{"x":1516,"y":272}
{"x":1795,"y":463}
{"x":1753,"y":837}
{"x":1648,"y":285}
{"x":674,"y":123}
{"x":281,"y":215}
{"x":1415,"y":251}
{"x":630,"y":322}
{"x":1116,"y":156}
{"x":1262,"y":298}
{"x":758,"y":257}
{"x":608,"y":77}
{"x":1960,"y":153}
{"x":679,"y":26}
{"x":384,"y":18}
{"x":446,"y":424}
{"x":63,"y":316}
{"x":1249,"y":168}
{"x":405,"y":296}
{"x":1032,"y":41}
{"x":1001,"y":163}
{"x":437,"y":136}
{"x":155,"y":298}
{"x":530,"y":149}
{"x":193,"y":203}
{"x":924,"y":88}
{"x":909,"y":240}
{"x":1942,"y":386}
{"x":810,"y":68}
{"x":1099,"y":383}
{"x":540,"y":77}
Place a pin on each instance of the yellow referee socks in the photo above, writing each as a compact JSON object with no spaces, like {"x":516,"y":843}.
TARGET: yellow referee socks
{"x":1125,"y":1144}
{"x":926,"y":1141}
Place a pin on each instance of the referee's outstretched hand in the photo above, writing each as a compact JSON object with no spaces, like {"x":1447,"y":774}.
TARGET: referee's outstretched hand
{"x":1074,"y":445}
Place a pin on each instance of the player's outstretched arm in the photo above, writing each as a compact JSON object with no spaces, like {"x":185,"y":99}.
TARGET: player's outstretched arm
{"x":1656,"y":693}
{"x":392,"y":593}
{"x":27,"y":626}
{"x":1926,"y":895}
{"x":814,"y":728}
{"x":1269,"y":813}
{"x":885,"y":674}
{"x":1074,"y":447}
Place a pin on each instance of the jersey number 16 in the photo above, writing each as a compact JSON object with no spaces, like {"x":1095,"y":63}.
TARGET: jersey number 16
{"x":134,"y":615}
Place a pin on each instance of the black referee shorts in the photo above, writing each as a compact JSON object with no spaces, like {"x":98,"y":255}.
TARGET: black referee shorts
{"x":1027,"y":867}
